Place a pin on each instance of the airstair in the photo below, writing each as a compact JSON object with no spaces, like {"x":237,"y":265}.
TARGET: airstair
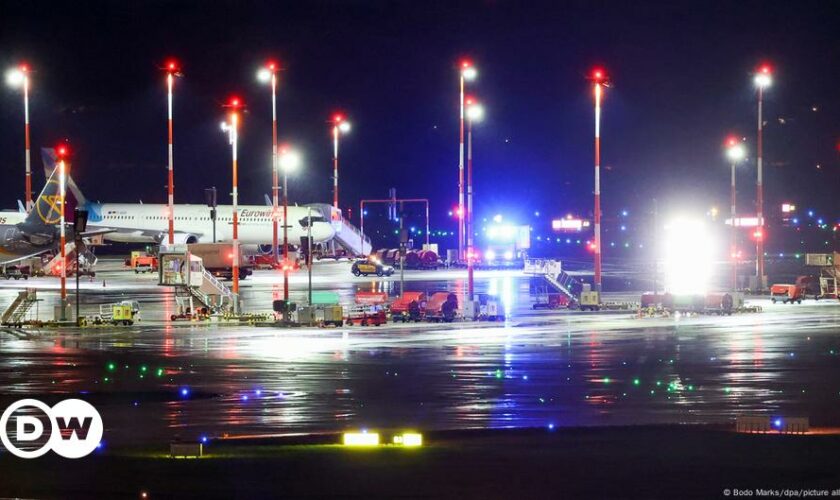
{"x":14,"y":314}
{"x":829,"y":268}
{"x":347,"y":236}
{"x":185,"y":272}
{"x":350,"y":238}
{"x":86,"y":260}
{"x":551,"y":272}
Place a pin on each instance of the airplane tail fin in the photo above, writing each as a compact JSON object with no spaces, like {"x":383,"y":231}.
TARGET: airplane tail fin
{"x":49,"y":157}
{"x":47,"y":206}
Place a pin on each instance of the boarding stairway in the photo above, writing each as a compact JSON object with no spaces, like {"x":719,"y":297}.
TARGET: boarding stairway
{"x":192,"y":282}
{"x":552,"y":273}
{"x":86,"y":260}
{"x":346,"y":236}
{"x":19,"y":307}
{"x":212,"y":294}
{"x":350,"y":238}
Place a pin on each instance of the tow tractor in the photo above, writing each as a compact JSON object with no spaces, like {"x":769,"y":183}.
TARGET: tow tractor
{"x":143,"y":262}
{"x":369,"y":309}
{"x":442,"y":306}
{"x":787,"y":293}
{"x":411,"y":306}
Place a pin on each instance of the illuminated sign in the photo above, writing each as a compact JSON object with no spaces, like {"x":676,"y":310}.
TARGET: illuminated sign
{"x":744,"y":222}
{"x":569,"y":224}
{"x":788,"y":208}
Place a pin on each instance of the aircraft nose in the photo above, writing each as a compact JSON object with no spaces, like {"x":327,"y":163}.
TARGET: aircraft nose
{"x":322,"y":231}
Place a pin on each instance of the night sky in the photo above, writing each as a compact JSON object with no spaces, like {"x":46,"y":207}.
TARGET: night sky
{"x":681,"y":71}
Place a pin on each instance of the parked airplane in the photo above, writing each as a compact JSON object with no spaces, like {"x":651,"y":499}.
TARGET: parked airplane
{"x":148,"y":223}
{"x":28,"y":235}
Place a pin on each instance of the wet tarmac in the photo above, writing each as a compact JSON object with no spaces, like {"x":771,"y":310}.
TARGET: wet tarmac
{"x":537,"y":368}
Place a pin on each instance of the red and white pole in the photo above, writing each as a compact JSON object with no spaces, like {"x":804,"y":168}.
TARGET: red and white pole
{"x":461,"y":175}
{"x":29,"y":203}
{"x":734,"y":235}
{"x":63,"y":239}
{"x":335,"y":164}
{"x":234,"y":124}
{"x":285,"y":236}
{"x":598,"y":90}
{"x":470,"y":256}
{"x":171,"y":198}
{"x":274,"y":164}
{"x":760,"y":197}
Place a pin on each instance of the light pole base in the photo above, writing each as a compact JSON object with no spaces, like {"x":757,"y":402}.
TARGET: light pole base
{"x":63,"y":311}
{"x":757,"y":284}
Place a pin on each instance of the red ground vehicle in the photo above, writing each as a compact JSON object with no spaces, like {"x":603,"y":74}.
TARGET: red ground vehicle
{"x":787,"y":293}
{"x":442,"y":306}
{"x":410,"y":307}
{"x":369,"y":309}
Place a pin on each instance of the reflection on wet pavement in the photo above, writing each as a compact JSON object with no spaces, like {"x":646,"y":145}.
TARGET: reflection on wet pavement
{"x":539,"y":368}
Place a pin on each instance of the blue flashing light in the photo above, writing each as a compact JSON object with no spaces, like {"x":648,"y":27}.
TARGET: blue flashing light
{"x":100,"y":445}
{"x":365,"y":212}
{"x":537,"y":213}
{"x":204,"y":439}
{"x":795,"y":220}
{"x":551,"y":426}
{"x":244,"y":397}
{"x":820,"y":222}
{"x":185,"y":391}
{"x":259,"y":392}
{"x":624,"y":213}
{"x":810,"y":213}
{"x":777,"y":423}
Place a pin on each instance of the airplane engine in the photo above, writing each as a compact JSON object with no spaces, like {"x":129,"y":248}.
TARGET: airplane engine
{"x":179,"y":238}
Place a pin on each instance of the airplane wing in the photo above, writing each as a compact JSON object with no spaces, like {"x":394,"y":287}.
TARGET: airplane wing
{"x":18,"y":258}
{"x":21,"y":208}
{"x":268,"y":201}
{"x":98,"y":232}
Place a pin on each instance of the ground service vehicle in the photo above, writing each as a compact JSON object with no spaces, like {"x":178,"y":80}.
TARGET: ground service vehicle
{"x":442,"y":306}
{"x":218,"y":259}
{"x":590,"y":300}
{"x":15,"y":273}
{"x":411,"y":306}
{"x":143,"y":262}
{"x":787,"y":293}
{"x":369,"y":309}
{"x":368,"y":266}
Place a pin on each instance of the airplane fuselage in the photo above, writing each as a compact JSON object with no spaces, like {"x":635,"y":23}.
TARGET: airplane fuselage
{"x":149,"y":223}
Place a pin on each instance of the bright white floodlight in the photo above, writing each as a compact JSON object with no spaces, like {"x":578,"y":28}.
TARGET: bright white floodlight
{"x":689,"y":252}
{"x":289,"y":160}
{"x":264,"y":75}
{"x":736,"y":153}
{"x":475,"y":112}
{"x":15,"y":77}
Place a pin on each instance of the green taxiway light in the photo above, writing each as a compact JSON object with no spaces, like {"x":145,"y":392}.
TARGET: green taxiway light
{"x":636,"y":381}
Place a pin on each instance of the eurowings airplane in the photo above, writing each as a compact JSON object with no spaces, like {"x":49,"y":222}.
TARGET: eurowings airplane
{"x":149,"y":223}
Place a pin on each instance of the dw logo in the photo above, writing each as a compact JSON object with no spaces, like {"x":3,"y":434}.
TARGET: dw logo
{"x":72,"y":428}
